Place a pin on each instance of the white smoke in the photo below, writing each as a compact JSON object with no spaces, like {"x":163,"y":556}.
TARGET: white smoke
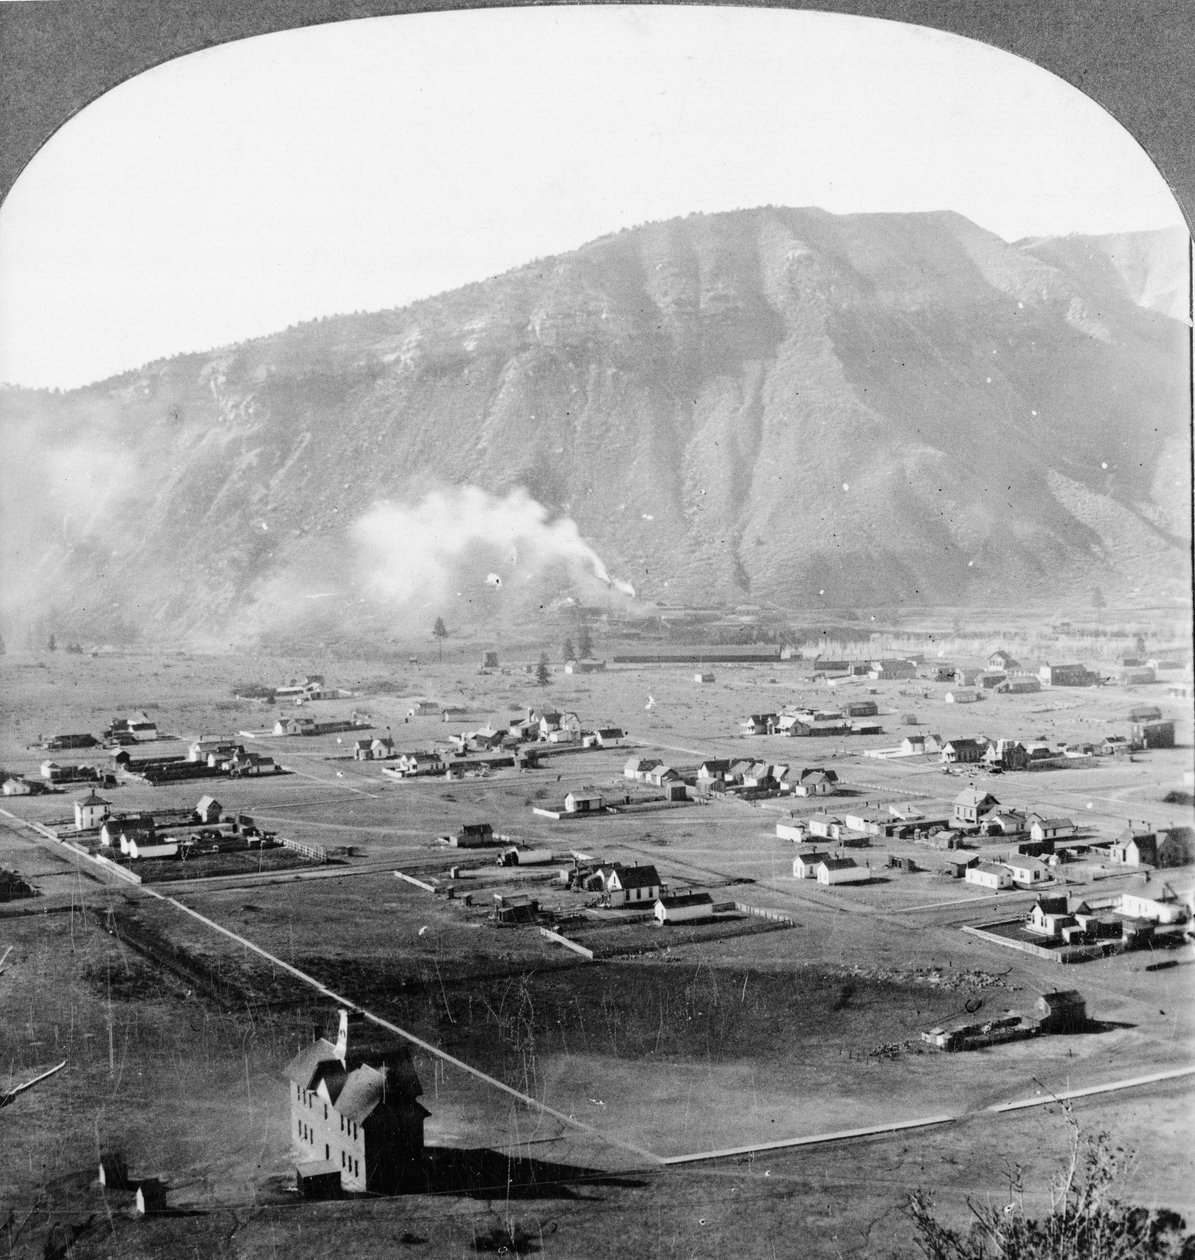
{"x":464,"y":541}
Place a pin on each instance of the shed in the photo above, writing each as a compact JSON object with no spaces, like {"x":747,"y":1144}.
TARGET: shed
{"x":583,"y":802}
{"x":209,"y":810}
{"x":114,"y":1172}
{"x":684,"y":907}
{"x":151,"y":1196}
{"x":1062,"y":1011}
{"x":318,"y":1179}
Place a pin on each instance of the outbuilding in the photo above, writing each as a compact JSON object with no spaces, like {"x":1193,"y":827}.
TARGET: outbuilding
{"x":842,"y":871}
{"x":684,"y":908}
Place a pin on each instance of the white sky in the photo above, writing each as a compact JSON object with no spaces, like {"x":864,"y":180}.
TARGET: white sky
{"x":362,"y":165}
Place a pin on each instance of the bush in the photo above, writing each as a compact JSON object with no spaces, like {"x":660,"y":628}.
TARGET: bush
{"x":1086,"y":1220}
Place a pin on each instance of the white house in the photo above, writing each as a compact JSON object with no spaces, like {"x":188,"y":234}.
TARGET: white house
{"x":90,"y":812}
{"x":989,"y":875}
{"x":1158,"y":900}
{"x":631,"y":885}
{"x":1027,"y":871}
{"x":805,"y":864}
{"x":841,"y":871}
{"x":1042,"y":828}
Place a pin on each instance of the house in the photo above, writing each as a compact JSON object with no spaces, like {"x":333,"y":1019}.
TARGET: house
{"x":684,"y":907}
{"x":963,"y":751}
{"x":423,"y":708}
{"x":15,"y":786}
{"x":807,"y":861}
{"x":111,"y":829}
{"x":489,"y":660}
{"x":1113,"y":746}
{"x":841,"y":871}
{"x":989,"y":875}
{"x":918,"y":745}
{"x":1008,"y":754}
{"x":1049,"y":916}
{"x":957,"y":867}
{"x":758,"y":724}
{"x":861,"y":708}
{"x":1067,"y":676}
{"x":1153,"y":734}
{"x":1027,"y":871}
{"x":892,"y":669}
{"x":295,"y":726}
{"x":609,"y":736}
{"x":1176,"y":847}
{"x":1145,"y":713}
{"x":965,"y":676}
{"x":814,"y":781}
{"x":970,"y":804}
{"x":703,"y":678}
{"x":1004,"y":822}
{"x":759,"y":775}
{"x":1136,"y":675}
{"x":639,"y":767}
{"x":713,"y":771}
{"x":1135,"y":848}
{"x":824,"y":825}
{"x":413,"y":763}
{"x":632,"y":885}
{"x":1061,"y":1011}
{"x":472,"y":836}
{"x":963,"y":695}
{"x":1042,"y":828}
{"x":1002,"y":660}
{"x":515,"y":909}
{"x":1157,"y":900}
{"x":583,"y":803}
{"x":660,"y":775}
{"x":988,"y":681}
{"x":1017,"y":686}
{"x":90,"y":812}
{"x":358,"y":1110}
{"x":209,"y":810}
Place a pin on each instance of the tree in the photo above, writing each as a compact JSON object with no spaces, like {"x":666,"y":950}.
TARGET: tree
{"x":570,"y":652}
{"x":440,"y":633}
{"x":542,"y":673}
{"x":1086,"y":1220}
{"x":584,"y":643}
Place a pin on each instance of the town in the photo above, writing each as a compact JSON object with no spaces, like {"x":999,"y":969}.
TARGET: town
{"x":888,"y":878}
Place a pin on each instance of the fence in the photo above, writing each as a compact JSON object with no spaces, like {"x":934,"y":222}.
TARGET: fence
{"x":316,"y":852}
{"x":777,"y":916}
{"x":564,"y":940}
{"x":1064,"y":954}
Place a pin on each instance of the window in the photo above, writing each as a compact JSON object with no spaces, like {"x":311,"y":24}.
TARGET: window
{"x":325,"y":1111}
{"x":327,"y":1152}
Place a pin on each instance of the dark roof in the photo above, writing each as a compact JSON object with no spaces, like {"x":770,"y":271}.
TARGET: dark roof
{"x":637,"y":876}
{"x":686,"y":899}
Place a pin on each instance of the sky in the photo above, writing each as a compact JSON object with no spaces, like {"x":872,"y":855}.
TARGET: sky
{"x":363,"y":165}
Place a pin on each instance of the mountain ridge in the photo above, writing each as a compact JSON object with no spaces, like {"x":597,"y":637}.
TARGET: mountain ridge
{"x":777,"y":404}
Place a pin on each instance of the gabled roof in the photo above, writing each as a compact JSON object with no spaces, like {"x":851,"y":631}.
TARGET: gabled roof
{"x":838,"y":864}
{"x":304,"y":1067}
{"x":92,"y":799}
{"x":974,"y":796}
{"x":636,"y":876}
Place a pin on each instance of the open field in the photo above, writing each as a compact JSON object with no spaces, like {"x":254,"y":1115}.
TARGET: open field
{"x":674,"y":1042}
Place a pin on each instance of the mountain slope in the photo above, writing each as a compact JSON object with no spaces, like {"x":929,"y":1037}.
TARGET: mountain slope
{"x":778,"y":404}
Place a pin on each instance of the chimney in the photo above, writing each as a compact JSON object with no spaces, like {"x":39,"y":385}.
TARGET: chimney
{"x":342,"y":1036}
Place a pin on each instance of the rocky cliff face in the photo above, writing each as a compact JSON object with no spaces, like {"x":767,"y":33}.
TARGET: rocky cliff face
{"x":777,"y":405}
